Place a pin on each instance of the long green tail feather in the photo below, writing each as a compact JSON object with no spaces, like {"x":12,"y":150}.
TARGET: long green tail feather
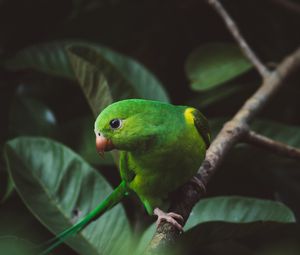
{"x":114,"y":198}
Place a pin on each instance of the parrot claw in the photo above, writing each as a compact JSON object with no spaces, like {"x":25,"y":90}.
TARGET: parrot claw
{"x":170,"y":217}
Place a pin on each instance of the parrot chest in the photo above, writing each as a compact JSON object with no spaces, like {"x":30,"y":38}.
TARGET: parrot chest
{"x":161,"y":171}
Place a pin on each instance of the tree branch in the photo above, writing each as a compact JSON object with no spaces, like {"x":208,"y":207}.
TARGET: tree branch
{"x":248,"y":52}
{"x":289,"y":5}
{"x":232,"y":133}
{"x":274,"y":146}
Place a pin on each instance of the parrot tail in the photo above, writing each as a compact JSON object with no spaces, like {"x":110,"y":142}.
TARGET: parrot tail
{"x":115,"y":197}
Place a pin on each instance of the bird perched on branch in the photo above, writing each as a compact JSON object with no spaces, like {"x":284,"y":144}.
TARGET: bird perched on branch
{"x":161,"y":148}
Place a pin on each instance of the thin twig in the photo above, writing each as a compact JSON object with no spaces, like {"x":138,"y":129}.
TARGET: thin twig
{"x":232,"y":132}
{"x":248,"y":52}
{"x":274,"y":146}
{"x":289,"y":5}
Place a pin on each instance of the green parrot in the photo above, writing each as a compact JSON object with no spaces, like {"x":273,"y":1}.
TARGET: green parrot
{"x":161,"y":147}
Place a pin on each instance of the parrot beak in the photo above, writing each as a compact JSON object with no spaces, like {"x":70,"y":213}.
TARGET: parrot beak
{"x":103,"y":144}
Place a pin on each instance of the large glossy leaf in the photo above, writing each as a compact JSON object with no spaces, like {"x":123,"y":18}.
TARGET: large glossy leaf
{"x":93,"y":79}
{"x":230,"y":224}
{"x":49,"y":58}
{"x":106,"y":77}
{"x":91,"y":59}
{"x":238,"y":210}
{"x":231,"y":209}
{"x":213,"y":64}
{"x":54,"y":183}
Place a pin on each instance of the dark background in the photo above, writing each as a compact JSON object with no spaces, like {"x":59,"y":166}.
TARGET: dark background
{"x":160,"y":35}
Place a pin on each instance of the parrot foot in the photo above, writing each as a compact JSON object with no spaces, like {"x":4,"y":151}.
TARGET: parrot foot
{"x":169,"y":217}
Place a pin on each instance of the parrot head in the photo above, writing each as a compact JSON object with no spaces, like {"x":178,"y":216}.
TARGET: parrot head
{"x":129,"y":125}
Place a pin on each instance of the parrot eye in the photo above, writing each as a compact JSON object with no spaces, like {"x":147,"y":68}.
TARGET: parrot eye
{"x":115,"y":123}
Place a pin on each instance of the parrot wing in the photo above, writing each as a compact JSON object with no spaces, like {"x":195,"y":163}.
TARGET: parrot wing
{"x":202,"y":126}
{"x":126,"y":173}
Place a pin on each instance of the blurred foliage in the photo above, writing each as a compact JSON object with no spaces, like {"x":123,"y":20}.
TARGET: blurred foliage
{"x":15,"y":246}
{"x":212,"y":64}
{"x":61,"y":62}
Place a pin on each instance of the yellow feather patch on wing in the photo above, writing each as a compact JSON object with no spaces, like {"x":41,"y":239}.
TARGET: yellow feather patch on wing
{"x":188,"y":115}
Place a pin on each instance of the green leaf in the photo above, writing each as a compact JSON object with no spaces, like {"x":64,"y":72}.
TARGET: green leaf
{"x":49,"y":58}
{"x":15,"y":246}
{"x":212,"y":64}
{"x":8,"y":190}
{"x":217,"y":97}
{"x":6,"y":184}
{"x":230,"y":209}
{"x":145,"y":239}
{"x":93,"y":79}
{"x":89,"y":59}
{"x":29,"y":116}
{"x":239,"y":210}
{"x":54,"y":182}
{"x":106,"y":76}
{"x":219,"y":225}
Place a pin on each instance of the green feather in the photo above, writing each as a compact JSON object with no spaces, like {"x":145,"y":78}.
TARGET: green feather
{"x":201,"y":124}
